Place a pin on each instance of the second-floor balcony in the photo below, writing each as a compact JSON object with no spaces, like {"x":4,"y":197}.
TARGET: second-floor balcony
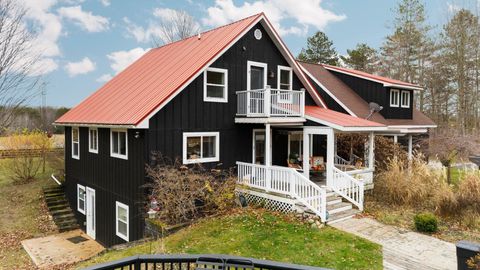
{"x":271,"y":103}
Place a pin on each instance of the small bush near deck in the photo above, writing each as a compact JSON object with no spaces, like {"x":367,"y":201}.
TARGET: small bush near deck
{"x":426,"y":222}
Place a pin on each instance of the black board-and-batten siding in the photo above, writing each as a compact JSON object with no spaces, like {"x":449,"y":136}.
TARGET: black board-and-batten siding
{"x":121,"y":180}
{"x":113,"y":179}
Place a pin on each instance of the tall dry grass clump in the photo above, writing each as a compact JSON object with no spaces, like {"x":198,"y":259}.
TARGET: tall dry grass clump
{"x":406,"y":182}
{"x":468,"y":194}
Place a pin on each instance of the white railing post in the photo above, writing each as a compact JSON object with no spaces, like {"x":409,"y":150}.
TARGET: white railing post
{"x":362,"y":189}
{"x":267,"y":101}
{"x":302,"y":103}
{"x":323,"y":204}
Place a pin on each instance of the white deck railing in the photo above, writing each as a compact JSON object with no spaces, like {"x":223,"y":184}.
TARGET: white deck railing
{"x":271,"y":103}
{"x":347,"y":187}
{"x":285,"y":181}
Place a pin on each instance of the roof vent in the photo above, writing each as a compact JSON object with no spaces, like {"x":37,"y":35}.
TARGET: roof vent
{"x":199,"y":35}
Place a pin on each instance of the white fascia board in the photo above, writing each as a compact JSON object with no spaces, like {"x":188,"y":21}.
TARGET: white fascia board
{"x":328,"y":92}
{"x":96,"y":125}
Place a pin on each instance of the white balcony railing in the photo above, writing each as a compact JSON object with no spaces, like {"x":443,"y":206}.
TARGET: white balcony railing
{"x":271,"y":103}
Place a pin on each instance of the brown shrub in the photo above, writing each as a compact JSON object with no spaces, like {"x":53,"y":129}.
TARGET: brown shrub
{"x":182,"y":192}
{"x":386,"y":151}
{"x":446,"y":201}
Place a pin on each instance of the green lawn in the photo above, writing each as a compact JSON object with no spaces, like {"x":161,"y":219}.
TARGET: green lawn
{"x":21,"y":217}
{"x":264,"y":235}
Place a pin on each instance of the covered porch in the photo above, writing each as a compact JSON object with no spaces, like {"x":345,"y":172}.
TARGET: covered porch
{"x":300,"y":161}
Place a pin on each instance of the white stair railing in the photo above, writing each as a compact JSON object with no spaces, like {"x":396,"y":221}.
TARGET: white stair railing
{"x":283,"y":180}
{"x":348,"y":187}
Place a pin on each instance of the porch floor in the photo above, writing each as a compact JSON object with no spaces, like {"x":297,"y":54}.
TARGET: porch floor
{"x":53,"y":250}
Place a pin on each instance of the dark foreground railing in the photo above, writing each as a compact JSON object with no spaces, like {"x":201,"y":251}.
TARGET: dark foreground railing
{"x":196,"y":262}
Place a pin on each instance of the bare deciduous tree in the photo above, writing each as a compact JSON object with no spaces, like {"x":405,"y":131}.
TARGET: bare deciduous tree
{"x":175,"y":25}
{"x":17,"y":60}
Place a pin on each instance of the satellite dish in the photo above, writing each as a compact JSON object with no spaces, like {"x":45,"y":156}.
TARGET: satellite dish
{"x":374,"y":107}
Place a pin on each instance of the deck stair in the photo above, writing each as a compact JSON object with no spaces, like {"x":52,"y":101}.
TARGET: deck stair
{"x":59,"y":208}
{"x":338,"y":209}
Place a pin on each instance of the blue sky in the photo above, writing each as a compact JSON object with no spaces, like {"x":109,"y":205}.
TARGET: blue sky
{"x":85,"y":42}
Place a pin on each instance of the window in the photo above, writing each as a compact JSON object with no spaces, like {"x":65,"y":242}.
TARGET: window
{"x":81,"y":199}
{"x":284,"y":81}
{"x":122,"y":220}
{"x":93,"y":140}
{"x":394,"y":98}
{"x":119,"y":144}
{"x":75,"y":143}
{"x":215,"y":88}
{"x":200,"y":147}
{"x":405,"y":99}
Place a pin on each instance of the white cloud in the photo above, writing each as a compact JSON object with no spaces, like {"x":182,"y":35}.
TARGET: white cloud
{"x":154,"y":27}
{"x":105,"y":3}
{"x":304,"y":14}
{"x":83,"y":66}
{"x":86,"y":20}
{"x":104,"y":78}
{"x":119,"y":60}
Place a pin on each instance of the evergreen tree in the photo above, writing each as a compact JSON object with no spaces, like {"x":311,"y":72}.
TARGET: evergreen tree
{"x":363,"y":58}
{"x":319,"y":50}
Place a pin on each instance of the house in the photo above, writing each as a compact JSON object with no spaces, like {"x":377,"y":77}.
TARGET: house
{"x":233,"y":96}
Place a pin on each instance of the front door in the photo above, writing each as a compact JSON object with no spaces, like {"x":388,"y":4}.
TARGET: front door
{"x":91,"y":212}
{"x":259,"y":147}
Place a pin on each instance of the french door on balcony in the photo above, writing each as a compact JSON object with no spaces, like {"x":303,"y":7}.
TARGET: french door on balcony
{"x":256,"y":80}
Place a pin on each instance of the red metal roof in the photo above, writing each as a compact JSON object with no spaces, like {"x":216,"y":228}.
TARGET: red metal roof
{"x":150,"y":81}
{"x":338,"y":118}
{"x":371,"y":76}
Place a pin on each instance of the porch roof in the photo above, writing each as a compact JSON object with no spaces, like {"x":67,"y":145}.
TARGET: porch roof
{"x":341,"y":121}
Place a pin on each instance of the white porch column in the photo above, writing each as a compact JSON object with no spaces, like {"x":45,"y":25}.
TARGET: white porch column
{"x":268,"y":145}
{"x":330,"y":155}
{"x":371,"y":148}
{"x":410,"y":146}
{"x":306,"y":154}
{"x":395,"y":138}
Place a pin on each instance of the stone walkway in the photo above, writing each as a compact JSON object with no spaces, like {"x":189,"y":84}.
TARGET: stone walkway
{"x":47,"y":252}
{"x":403,"y":249}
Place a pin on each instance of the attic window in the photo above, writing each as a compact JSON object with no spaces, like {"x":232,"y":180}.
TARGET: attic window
{"x":394,"y":98}
{"x":215,"y":88}
{"x":405,"y":99}
{"x":119,"y":144}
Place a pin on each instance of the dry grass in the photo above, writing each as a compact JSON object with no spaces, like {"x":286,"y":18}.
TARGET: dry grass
{"x":407,"y":188}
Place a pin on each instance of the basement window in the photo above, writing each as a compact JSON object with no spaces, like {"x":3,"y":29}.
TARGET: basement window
{"x":122,"y":220}
{"x":405,"y":99}
{"x":200,"y":147}
{"x":118,"y":144}
{"x":75,"y":143}
{"x":394,"y":98}
{"x":93,"y":140}
{"x":215,"y":88}
{"x":81,"y":199}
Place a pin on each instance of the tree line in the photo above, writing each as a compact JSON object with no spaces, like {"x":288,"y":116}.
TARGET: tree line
{"x":445,"y":60}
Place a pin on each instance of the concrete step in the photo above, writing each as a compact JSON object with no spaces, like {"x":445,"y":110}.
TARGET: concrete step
{"x":337,"y":217}
{"x":338,"y":207}
{"x":53,"y":194}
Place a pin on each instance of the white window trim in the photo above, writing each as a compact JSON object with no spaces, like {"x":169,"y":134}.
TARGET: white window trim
{"x":119,"y":234}
{"x":225,"y":86}
{"x":78,"y":132}
{"x":90,"y":149}
{"x":84,"y":199}
{"x":398,"y":97}
{"x":201,"y":134}
{"x":290,"y":70}
{"x":115,"y":155}
{"x":256,"y":64}
{"x":407,"y":105}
